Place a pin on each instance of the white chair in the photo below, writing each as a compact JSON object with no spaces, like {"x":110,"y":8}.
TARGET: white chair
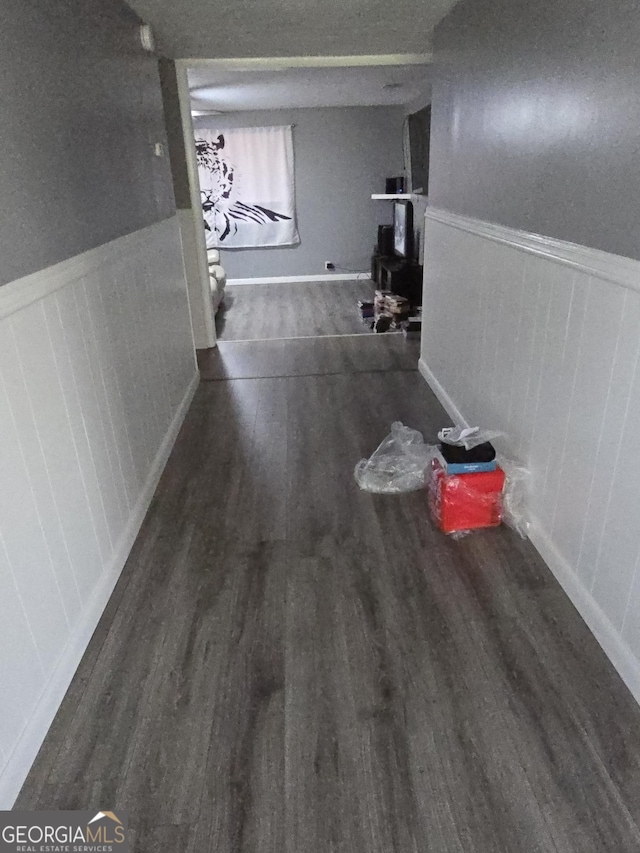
{"x":217,"y":278}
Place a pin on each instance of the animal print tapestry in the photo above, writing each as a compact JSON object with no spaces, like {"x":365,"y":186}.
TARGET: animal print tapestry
{"x":247,"y":187}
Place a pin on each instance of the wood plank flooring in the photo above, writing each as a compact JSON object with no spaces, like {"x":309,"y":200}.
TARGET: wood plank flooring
{"x":292,"y":310}
{"x":291,"y":665}
{"x":307,"y":357}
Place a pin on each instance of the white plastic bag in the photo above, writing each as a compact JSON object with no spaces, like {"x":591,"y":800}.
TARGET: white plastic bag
{"x":468,"y":437}
{"x":400,"y":464}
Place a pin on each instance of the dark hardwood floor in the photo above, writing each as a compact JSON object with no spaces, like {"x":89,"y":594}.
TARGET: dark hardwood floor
{"x":291,"y":665}
{"x":292,"y":310}
{"x":308,"y":357}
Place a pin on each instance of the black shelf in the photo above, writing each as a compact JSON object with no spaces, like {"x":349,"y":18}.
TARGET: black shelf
{"x":400,"y":275}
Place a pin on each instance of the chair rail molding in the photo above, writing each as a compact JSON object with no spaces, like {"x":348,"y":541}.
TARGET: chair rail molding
{"x":614,"y":268}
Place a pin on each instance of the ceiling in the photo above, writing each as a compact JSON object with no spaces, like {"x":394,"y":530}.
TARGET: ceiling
{"x":237,"y":89}
{"x":187,"y":29}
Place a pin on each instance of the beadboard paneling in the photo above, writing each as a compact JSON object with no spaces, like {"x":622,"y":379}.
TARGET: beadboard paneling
{"x":96,"y":372}
{"x":542,"y":340}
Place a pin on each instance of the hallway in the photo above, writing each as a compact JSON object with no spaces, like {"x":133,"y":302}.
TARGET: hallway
{"x":291,"y":665}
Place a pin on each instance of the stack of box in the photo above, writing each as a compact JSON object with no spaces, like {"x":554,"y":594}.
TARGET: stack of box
{"x":398,"y":307}
{"x":380,"y":300}
{"x":465,"y":489}
{"x":391,"y":306}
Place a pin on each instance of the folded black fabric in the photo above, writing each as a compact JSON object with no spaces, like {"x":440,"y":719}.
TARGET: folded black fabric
{"x":457,"y":455}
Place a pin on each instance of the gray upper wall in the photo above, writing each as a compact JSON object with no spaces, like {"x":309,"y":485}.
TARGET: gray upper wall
{"x":81,"y":111}
{"x":341,"y":155}
{"x":536,"y":118}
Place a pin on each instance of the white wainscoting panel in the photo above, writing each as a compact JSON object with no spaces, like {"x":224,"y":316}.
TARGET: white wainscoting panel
{"x":541,"y":339}
{"x":96,"y":373}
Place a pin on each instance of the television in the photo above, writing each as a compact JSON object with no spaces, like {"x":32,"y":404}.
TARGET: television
{"x":403,"y":229}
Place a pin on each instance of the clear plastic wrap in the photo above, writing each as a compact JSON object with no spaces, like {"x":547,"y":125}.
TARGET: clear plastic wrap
{"x":400,"y":463}
{"x":460,"y":503}
{"x":515,"y":496}
{"x":465,"y":502}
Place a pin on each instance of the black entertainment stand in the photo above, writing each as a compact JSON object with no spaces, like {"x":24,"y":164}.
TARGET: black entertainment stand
{"x":401,"y":276}
{"x":392,"y":264}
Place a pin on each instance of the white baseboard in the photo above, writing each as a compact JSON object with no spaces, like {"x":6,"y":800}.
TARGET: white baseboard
{"x":445,"y":400}
{"x":20,"y":761}
{"x":598,"y":623}
{"x":301,"y":279}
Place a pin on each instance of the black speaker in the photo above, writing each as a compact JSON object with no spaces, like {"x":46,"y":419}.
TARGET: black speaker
{"x":393,"y":186}
{"x":385,"y":240}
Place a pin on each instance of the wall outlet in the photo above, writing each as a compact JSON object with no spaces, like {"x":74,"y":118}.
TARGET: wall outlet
{"x":329,"y":265}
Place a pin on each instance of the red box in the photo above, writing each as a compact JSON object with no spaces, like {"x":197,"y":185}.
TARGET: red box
{"x":465,"y":501}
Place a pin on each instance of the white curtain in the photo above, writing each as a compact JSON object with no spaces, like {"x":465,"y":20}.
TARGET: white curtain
{"x":247,"y":186}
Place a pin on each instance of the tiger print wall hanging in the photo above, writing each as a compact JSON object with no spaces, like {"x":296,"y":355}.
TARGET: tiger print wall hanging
{"x":247,"y":186}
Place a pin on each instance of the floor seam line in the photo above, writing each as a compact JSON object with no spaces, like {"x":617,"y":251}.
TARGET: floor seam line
{"x":311,"y":375}
{"x":364,"y":335}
